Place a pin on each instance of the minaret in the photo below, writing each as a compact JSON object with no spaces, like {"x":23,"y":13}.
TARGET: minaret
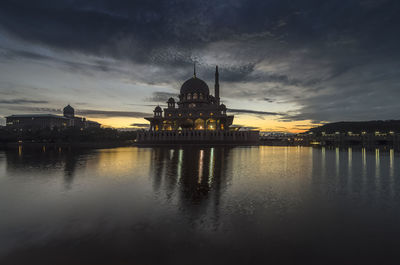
{"x":216,"y":86}
{"x":194,"y":70}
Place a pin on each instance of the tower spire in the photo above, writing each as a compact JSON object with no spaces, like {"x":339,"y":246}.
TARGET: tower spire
{"x":216,"y":86}
{"x":194,"y":69}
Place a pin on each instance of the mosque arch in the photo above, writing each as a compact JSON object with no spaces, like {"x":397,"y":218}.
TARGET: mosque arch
{"x":211,"y":124}
{"x":199,"y":124}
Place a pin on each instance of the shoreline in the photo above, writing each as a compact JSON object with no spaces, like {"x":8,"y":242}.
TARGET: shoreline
{"x":88,"y":145}
{"x":91,"y":145}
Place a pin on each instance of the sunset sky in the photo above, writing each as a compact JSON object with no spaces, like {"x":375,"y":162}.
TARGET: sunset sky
{"x":284,"y":65}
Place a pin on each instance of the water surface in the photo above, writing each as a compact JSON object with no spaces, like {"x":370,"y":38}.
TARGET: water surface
{"x":200,"y":205}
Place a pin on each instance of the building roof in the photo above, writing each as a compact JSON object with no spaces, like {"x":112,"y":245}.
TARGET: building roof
{"x":195,"y":85}
{"x":37,"y":116}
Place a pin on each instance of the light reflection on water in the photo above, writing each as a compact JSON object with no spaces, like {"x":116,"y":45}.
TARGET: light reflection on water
{"x":260,"y":202}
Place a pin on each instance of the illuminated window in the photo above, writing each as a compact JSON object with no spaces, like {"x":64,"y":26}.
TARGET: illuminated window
{"x":211,"y":113}
{"x":189,"y":96}
{"x":201,"y":114}
{"x":190,"y":114}
{"x":195,"y":96}
{"x":222,"y":126}
{"x":169,"y":115}
{"x":201,"y":96}
{"x":211,"y":124}
{"x":180,"y":114}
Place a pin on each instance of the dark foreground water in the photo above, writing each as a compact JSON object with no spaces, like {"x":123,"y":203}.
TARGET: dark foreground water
{"x":192,"y":205}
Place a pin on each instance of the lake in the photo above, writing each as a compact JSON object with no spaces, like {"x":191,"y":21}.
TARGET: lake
{"x":200,"y":205}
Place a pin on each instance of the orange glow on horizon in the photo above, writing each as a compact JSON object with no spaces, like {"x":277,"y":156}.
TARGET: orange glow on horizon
{"x":271,"y":125}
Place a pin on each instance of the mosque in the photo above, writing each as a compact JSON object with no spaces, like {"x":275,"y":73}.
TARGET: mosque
{"x":197,"y":116}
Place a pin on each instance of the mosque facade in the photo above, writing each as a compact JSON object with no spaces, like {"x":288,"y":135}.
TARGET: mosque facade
{"x":196,"y":116}
{"x":196,"y":109}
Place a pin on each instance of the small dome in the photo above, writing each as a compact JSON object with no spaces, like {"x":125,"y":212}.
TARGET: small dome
{"x":68,"y":111}
{"x":195,"y":85}
{"x":171,"y":100}
{"x":158,"y":109}
{"x":222,"y":106}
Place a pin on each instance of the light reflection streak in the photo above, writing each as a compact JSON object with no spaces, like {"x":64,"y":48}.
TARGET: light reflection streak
{"x":377,"y":163}
{"x":391,"y":171}
{"x":179,"y":170}
{"x":201,"y":166}
{"x":364,"y":166}
{"x":286,"y":159}
{"x":337,"y":161}
{"x":377,"y":169}
{"x":364,"y":161}
{"x":350,"y":160}
{"x":211,"y":167}
{"x":323,"y":158}
{"x":349,"y":167}
{"x":391,"y":165}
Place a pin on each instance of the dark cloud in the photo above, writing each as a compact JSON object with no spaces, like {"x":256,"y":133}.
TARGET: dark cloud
{"x":331,"y":59}
{"x":95,"y":113}
{"x":160,"y":96}
{"x":29,"y":109}
{"x":140,"y":125}
{"x":111,"y":113}
{"x":70,"y":65}
{"x":270,"y":100}
{"x":247,"y":111}
{"x":22,"y":101}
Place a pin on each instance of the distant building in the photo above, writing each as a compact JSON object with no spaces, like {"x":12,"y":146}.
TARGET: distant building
{"x":198,"y":117}
{"x":42,"y":121}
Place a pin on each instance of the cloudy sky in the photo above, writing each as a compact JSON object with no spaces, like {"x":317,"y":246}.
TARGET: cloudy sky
{"x":284,"y":64}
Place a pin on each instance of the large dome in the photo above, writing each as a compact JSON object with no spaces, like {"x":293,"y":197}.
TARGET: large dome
{"x":195,"y":85}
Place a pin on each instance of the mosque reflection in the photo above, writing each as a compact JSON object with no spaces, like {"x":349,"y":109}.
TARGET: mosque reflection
{"x":186,"y":175}
{"x":195,"y":177}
